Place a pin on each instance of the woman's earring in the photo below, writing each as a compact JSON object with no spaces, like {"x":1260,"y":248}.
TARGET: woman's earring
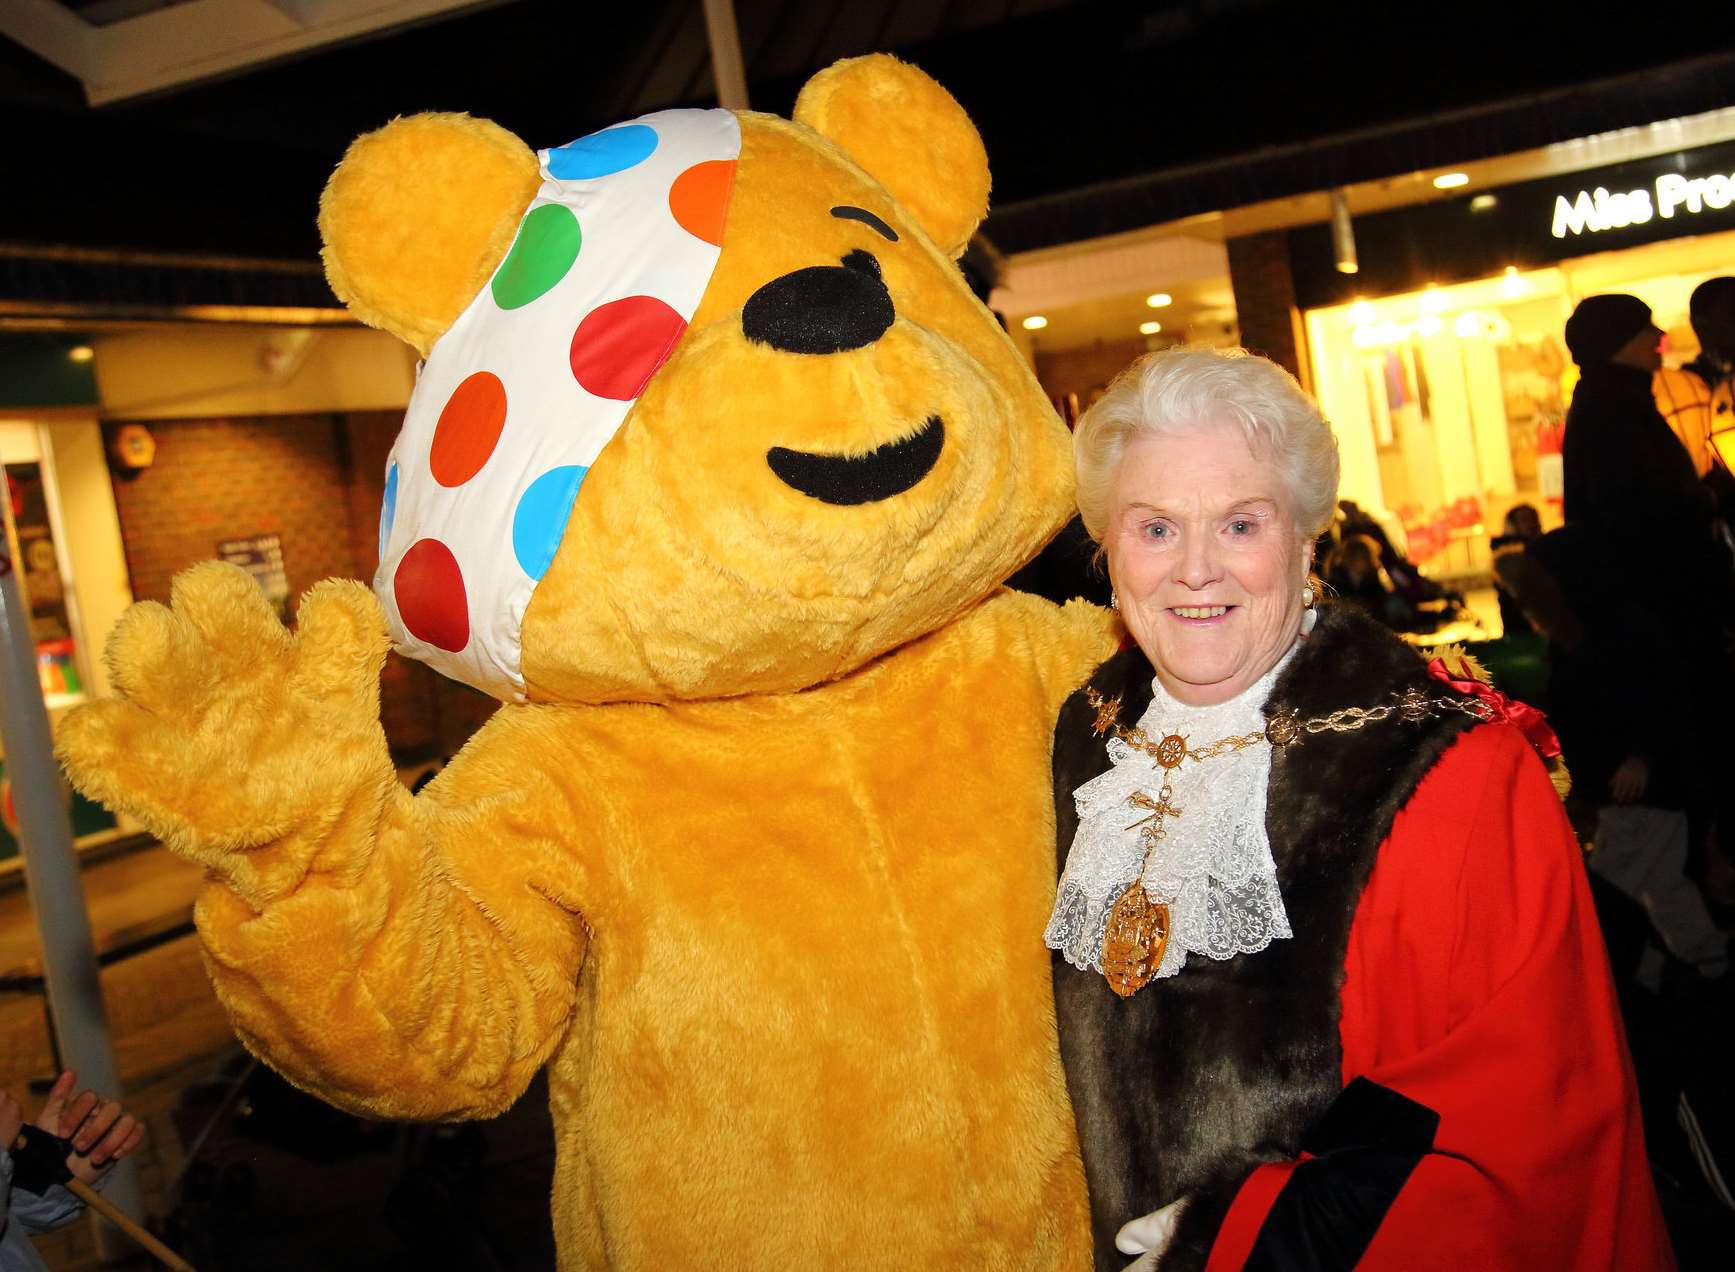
{"x":1307,"y":596}
{"x":1114,"y":602}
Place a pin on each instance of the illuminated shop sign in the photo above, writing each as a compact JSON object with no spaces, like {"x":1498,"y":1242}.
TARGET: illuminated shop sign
{"x":1486,"y":228}
{"x":1672,"y":195}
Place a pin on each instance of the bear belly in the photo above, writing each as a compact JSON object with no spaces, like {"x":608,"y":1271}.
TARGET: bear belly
{"x":821,"y":1032}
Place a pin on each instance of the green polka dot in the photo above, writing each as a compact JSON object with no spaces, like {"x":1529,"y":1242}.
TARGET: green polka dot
{"x":545,"y":249}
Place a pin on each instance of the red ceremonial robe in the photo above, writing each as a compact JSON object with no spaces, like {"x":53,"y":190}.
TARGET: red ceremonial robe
{"x":1476,"y":984}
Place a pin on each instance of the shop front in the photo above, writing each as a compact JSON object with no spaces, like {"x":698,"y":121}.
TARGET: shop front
{"x":1441,"y":362}
{"x":132,"y":450}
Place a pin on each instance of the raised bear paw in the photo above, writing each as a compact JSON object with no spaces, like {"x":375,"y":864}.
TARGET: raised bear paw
{"x":229,"y":732}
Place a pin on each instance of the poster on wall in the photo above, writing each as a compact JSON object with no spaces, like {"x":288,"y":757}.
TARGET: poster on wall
{"x":261,"y":555}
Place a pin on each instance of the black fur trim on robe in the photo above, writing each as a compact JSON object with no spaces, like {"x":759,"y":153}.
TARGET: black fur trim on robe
{"x":1187,"y":1086}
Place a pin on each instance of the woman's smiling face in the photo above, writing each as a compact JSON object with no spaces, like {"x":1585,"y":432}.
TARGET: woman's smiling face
{"x":1205,"y":560}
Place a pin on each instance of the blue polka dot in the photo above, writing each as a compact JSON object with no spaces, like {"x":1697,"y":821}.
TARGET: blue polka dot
{"x":388,"y":507}
{"x":541,"y":517}
{"x":598,"y":155}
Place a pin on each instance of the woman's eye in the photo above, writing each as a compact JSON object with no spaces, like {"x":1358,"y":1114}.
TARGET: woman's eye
{"x":1155,"y":531}
{"x":1240,"y":527}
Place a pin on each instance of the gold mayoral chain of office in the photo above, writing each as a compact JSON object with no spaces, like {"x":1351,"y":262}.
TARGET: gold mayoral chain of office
{"x":1138,"y":927}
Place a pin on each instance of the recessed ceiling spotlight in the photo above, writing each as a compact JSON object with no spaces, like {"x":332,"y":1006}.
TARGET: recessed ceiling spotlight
{"x":1036,"y":322}
{"x":1150,"y":328}
{"x":1451,"y":180}
{"x":1157,"y":300}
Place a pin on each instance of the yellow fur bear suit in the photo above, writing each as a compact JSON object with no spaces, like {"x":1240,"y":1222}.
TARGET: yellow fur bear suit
{"x":760,"y":863}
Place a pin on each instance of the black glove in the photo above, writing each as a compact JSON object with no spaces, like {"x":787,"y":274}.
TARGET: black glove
{"x":39,"y":1160}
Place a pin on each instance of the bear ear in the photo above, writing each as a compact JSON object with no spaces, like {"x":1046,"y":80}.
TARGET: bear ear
{"x":911,"y":136}
{"x":417,"y":216}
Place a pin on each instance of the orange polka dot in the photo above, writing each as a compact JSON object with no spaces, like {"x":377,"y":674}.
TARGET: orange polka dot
{"x":468,"y":430}
{"x":699,"y":198}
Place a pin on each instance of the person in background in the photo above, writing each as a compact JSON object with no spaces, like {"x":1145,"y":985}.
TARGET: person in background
{"x":1356,"y":575}
{"x":1630,"y":487}
{"x":1522,"y":526}
{"x":1329,"y":987}
{"x":102,"y":1133}
{"x":1406,"y":579}
{"x":1621,"y":464}
{"x":1617,"y":697}
{"x":1700,"y":397}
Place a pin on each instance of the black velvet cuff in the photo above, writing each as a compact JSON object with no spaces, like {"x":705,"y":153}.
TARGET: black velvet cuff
{"x":1365,"y":1148}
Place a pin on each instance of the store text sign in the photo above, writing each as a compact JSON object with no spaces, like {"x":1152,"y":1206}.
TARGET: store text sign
{"x":1592,"y":211}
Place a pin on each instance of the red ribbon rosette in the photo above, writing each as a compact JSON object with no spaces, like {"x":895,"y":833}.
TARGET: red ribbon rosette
{"x":1531,"y":722}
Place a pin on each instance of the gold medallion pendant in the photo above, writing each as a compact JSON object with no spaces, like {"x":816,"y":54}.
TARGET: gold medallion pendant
{"x":1132,"y":944}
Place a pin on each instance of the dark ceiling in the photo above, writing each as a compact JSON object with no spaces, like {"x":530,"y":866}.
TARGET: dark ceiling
{"x":1068,"y":93}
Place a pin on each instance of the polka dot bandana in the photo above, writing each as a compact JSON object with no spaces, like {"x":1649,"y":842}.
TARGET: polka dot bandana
{"x":517,"y":399}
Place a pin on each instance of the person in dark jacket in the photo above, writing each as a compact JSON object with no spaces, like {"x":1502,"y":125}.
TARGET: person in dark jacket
{"x":1630,"y":482}
{"x":1622,"y":463}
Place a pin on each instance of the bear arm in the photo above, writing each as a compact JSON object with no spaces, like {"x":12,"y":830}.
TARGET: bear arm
{"x":426,"y":967}
{"x":1068,"y":641}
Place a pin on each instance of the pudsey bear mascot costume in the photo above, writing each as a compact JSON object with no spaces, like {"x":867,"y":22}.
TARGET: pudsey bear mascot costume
{"x":711,"y":473}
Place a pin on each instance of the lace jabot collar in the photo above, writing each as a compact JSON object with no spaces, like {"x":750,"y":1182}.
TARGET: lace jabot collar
{"x":1213,"y":867}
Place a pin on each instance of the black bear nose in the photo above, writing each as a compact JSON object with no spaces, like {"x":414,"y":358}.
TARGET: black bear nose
{"x":821,"y":309}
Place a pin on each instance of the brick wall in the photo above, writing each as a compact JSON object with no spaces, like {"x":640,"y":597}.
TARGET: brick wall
{"x":227,"y":479}
{"x":314,"y":481}
{"x":1085,"y":372}
{"x":1264,"y":289}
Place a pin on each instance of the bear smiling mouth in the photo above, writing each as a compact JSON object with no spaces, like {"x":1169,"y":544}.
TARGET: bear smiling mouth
{"x":881,"y":473}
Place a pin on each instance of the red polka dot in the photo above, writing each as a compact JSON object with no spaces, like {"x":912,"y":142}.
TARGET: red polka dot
{"x":468,"y":429}
{"x":699,"y":199}
{"x":429,"y":590}
{"x":619,"y":346}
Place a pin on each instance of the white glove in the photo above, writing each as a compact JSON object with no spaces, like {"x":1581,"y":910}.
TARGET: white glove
{"x":1148,"y":1236}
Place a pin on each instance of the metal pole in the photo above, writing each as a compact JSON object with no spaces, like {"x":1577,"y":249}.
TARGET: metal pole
{"x":726,"y":54}
{"x":69,"y":967}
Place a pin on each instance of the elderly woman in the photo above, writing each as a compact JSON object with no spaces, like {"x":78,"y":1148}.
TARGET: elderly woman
{"x":1331,"y":991}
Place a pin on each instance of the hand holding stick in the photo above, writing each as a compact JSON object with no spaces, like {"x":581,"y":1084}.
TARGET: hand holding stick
{"x":93,"y":1135}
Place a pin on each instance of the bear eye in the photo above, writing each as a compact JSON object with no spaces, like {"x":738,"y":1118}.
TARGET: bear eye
{"x":868,"y":219}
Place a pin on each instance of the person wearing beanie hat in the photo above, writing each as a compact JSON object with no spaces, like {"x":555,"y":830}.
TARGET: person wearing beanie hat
{"x":1622,"y":464}
{"x":1602,"y":326}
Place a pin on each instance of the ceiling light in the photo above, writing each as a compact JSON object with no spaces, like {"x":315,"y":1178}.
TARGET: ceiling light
{"x":1342,"y":234}
{"x":1482,"y":202}
{"x":1150,"y":328}
{"x":81,"y":353}
{"x":1156,"y":300}
{"x":1036,"y":322}
{"x":1451,"y":180}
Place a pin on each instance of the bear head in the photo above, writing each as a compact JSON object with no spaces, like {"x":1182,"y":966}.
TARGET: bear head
{"x":786,"y":436}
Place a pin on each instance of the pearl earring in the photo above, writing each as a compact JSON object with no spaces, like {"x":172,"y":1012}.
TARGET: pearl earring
{"x":1307,"y":596}
{"x":1114,"y":602}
